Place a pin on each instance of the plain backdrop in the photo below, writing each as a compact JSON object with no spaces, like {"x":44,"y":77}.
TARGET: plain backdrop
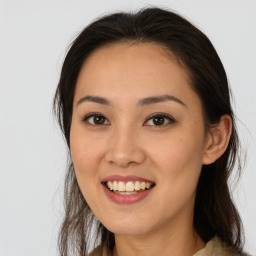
{"x":34,"y":36}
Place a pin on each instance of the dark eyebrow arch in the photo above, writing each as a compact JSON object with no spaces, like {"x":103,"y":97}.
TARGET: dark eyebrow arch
{"x":142,"y":102}
{"x":95,"y":99}
{"x":158,"y":99}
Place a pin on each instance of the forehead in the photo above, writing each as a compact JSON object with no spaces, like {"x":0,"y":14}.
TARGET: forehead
{"x":132,"y":70}
{"x":130,"y":54}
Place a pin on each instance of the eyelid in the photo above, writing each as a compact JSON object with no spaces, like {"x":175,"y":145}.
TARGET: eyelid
{"x":160,"y":114}
{"x":92,"y":114}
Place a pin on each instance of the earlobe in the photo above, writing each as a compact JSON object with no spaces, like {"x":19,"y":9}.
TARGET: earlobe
{"x":218,"y":140}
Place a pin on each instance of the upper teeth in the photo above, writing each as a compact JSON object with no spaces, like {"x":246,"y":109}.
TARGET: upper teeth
{"x":128,"y":186}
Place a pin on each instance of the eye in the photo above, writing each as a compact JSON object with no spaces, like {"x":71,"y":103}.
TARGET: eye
{"x":96,"y":119}
{"x":160,"y":119}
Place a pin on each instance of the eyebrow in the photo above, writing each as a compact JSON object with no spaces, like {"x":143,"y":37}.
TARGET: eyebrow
{"x":142,"y":102}
{"x":95,"y":99}
{"x":158,"y":99}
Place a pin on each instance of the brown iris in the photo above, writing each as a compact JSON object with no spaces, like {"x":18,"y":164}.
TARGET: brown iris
{"x":98,"y":120}
{"x":159,"y":120}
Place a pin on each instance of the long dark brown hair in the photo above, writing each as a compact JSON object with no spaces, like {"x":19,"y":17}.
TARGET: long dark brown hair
{"x":215,"y":213}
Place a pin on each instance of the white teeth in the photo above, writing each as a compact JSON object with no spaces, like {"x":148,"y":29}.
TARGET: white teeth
{"x":121,"y":186}
{"x":115,"y":185}
{"x":126,"y":193}
{"x":130,"y":186}
{"x":137,"y":185}
{"x":110,"y":185}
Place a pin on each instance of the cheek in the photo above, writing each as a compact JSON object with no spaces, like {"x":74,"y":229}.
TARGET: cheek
{"x":85,"y":151}
{"x":177,"y":152}
{"x":85,"y":158}
{"x":178,"y":160}
{"x":178,"y":163}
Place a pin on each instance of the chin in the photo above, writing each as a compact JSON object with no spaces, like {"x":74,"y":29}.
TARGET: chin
{"x":127,"y":231}
{"x":126,"y":227}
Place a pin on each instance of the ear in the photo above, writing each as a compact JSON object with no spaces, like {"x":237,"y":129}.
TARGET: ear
{"x":217,"y":140}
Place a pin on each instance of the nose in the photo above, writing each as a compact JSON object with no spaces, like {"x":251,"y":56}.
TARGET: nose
{"x":125,"y":149}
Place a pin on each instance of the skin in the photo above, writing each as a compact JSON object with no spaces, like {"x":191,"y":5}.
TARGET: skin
{"x":129,"y":143}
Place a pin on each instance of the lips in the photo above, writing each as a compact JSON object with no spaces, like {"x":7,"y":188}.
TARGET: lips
{"x":129,"y":186}
{"x":127,"y":189}
{"x":125,"y":178}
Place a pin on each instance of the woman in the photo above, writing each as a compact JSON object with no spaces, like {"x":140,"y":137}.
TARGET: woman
{"x":144,"y":105}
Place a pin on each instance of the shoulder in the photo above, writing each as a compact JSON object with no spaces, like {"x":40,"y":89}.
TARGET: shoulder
{"x":215,"y":247}
{"x":100,"y":251}
{"x":97,"y":251}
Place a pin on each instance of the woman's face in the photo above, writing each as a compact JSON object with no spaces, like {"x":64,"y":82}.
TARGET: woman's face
{"x":137,"y":138}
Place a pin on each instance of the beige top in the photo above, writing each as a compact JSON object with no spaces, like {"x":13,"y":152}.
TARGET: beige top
{"x":213,"y":248}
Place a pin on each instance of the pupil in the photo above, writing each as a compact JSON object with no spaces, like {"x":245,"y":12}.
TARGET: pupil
{"x":98,"y":120}
{"x":158,"y":120}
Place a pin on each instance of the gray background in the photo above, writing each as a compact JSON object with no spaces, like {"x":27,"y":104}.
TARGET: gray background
{"x":34,"y":38}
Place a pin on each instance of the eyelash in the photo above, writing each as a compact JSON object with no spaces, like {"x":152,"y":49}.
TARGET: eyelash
{"x":161,"y":115}
{"x":87,"y":117}
{"x":167,"y":117}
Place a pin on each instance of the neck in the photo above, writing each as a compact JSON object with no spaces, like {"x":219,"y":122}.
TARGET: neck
{"x":183,"y":242}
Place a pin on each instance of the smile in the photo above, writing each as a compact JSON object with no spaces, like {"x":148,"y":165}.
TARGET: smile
{"x":127,"y":190}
